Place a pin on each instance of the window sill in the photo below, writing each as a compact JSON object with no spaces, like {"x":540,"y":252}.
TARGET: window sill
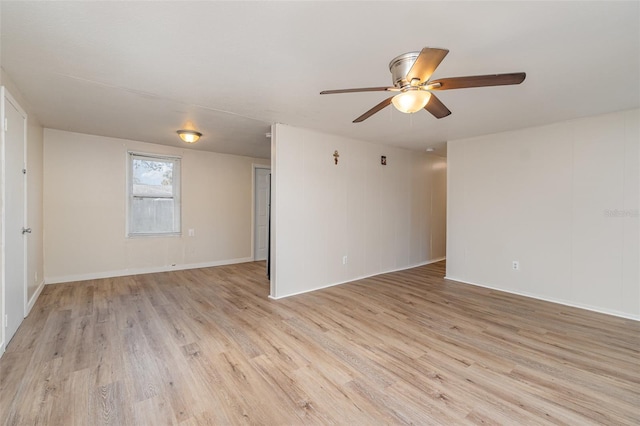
{"x":155,"y":235}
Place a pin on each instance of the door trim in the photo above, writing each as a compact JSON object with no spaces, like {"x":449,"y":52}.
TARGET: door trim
{"x":253,"y":206}
{"x":4,"y":94}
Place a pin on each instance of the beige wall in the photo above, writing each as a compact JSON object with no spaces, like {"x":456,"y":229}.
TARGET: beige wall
{"x":383,"y":218}
{"x":85,"y":209}
{"x":562,"y":200}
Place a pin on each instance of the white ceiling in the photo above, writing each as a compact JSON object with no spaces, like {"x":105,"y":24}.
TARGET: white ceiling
{"x":142,"y":70}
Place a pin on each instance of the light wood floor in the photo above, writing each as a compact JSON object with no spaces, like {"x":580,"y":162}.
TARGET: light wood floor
{"x":207,"y":347}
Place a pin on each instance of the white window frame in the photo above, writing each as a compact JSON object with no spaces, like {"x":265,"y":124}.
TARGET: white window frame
{"x":176,"y":187}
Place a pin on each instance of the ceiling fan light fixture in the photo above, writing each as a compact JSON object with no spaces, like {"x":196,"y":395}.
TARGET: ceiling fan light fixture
{"x":411,"y":101}
{"x":411,"y":73}
{"x":189,"y":136}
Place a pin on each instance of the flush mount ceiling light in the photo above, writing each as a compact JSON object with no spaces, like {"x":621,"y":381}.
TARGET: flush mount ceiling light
{"x":189,"y":136}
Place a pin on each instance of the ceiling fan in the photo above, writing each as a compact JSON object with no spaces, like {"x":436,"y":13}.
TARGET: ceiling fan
{"x":411,"y":73}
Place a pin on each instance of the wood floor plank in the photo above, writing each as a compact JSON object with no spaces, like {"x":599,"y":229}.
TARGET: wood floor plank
{"x":106,"y":405}
{"x":220,"y":403}
{"x":295,"y":398}
{"x":154,"y":411}
{"x":326,"y":395}
{"x":208,"y":347}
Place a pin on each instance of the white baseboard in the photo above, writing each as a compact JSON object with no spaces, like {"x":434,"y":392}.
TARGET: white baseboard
{"x":139,"y":271}
{"x":359,"y":278}
{"x":558,"y":301}
{"x":35,"y":296}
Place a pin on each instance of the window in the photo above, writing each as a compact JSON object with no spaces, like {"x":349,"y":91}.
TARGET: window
{"x":154,"y":195}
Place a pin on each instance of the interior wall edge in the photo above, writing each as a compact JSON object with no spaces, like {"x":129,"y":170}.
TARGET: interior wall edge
{"x":140,"y":271}
{"x":428,"y":262}
{"x":34,"y":297}
{"x":551,"y":300}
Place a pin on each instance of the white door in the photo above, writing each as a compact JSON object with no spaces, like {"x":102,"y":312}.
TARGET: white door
{"x":14,"y":219}
{"x":261,"y":238}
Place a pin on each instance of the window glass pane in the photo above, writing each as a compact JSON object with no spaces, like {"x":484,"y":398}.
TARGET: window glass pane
{"x":152,"y":215}
{"x":152,"y":178}
{"x":154,"y":195}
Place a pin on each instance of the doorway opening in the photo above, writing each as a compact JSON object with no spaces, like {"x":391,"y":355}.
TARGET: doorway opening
{"x":261,"y":185}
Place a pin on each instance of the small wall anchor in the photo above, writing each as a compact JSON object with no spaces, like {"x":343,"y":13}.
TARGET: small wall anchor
{"x":335,"y":156}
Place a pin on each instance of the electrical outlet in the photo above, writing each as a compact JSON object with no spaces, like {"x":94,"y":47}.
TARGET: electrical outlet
{"x":515,"y":265}
{"x":344,"y":260}
{"x":192,"y":232}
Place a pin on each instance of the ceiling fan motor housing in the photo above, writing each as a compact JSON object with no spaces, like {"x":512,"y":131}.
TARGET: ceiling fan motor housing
{"x":400,"y":66}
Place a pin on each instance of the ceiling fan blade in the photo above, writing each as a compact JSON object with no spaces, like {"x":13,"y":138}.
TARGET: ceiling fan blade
{"x":436,"y":107}
{"x":478,"y":81}
{"x":426,"y":63}
{"x":373,"y":110}
{"x":363,"y":89}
